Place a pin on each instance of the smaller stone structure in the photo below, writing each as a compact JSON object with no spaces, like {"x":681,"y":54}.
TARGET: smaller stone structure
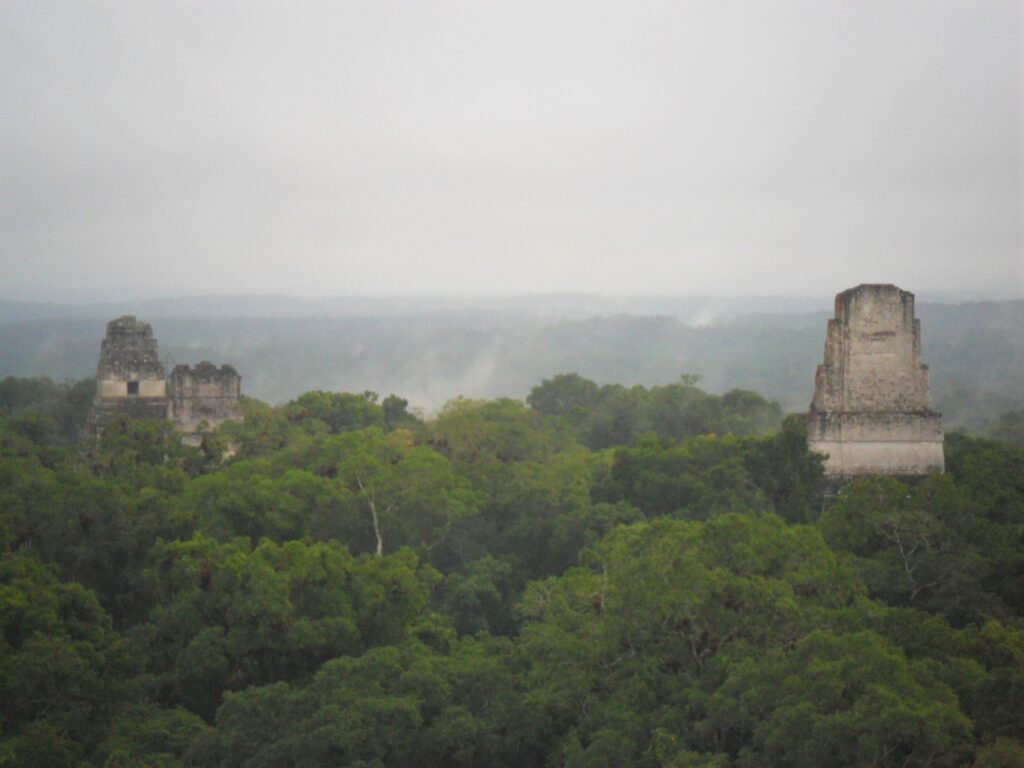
{"x":871,"y":413}
{"x":205,"y":393}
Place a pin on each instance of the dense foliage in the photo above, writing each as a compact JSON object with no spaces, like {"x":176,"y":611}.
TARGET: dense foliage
{"x":604,"y":576}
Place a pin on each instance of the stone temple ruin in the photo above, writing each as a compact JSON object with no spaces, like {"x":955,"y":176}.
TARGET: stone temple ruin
{"x":131,"y":381}
{"x":204,"y":393}
{"x":871,"y":413}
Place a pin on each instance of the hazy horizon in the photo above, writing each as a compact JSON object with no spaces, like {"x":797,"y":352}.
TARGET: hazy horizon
{"x":692,"y":309}
{"x":109,"y":296}
{"x":373,"y":148}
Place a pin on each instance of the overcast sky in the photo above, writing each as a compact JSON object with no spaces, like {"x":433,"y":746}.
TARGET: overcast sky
{"x":338,"y":147}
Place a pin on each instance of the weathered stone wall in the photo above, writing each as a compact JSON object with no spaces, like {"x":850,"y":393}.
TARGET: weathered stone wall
{"x":873,"y":354}
{"x":878,"y":443}
{"x":205,"y":393}
{"x":129,"y":352}
{"x":871,"y":409}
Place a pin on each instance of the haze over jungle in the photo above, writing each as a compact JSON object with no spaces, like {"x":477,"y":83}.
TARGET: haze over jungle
{"x":434,"y":349}
{"x":448,"y":384}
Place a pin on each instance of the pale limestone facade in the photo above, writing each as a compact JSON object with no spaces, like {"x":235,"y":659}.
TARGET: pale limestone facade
{"x":110,"y":389}
{"x":871,"y":413}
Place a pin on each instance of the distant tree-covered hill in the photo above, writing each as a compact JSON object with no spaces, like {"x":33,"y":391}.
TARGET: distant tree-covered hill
{"x":975,"y":350}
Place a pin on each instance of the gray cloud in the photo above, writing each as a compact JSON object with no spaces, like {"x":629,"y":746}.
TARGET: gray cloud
{"x":683,"y":147}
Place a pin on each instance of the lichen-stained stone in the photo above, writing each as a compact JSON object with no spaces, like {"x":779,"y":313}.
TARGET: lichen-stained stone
{"x":129,"y":352}
{"x":871,"y":413}
{"x":205,"y":393}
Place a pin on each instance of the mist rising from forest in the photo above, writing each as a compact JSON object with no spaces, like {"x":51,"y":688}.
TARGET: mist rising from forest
{"x":430,"y":350}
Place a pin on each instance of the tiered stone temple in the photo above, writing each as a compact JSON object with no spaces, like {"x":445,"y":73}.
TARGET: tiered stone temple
{"x":130,"y":381}
{"x":130,"y":378}
{"x":871,"y":413}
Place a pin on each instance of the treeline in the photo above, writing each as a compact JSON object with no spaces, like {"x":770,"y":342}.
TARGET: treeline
{"x":603,"y":416}
{"x":60,"y":407}
{"x":601,"y":577}
{"x":976,"y":351}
